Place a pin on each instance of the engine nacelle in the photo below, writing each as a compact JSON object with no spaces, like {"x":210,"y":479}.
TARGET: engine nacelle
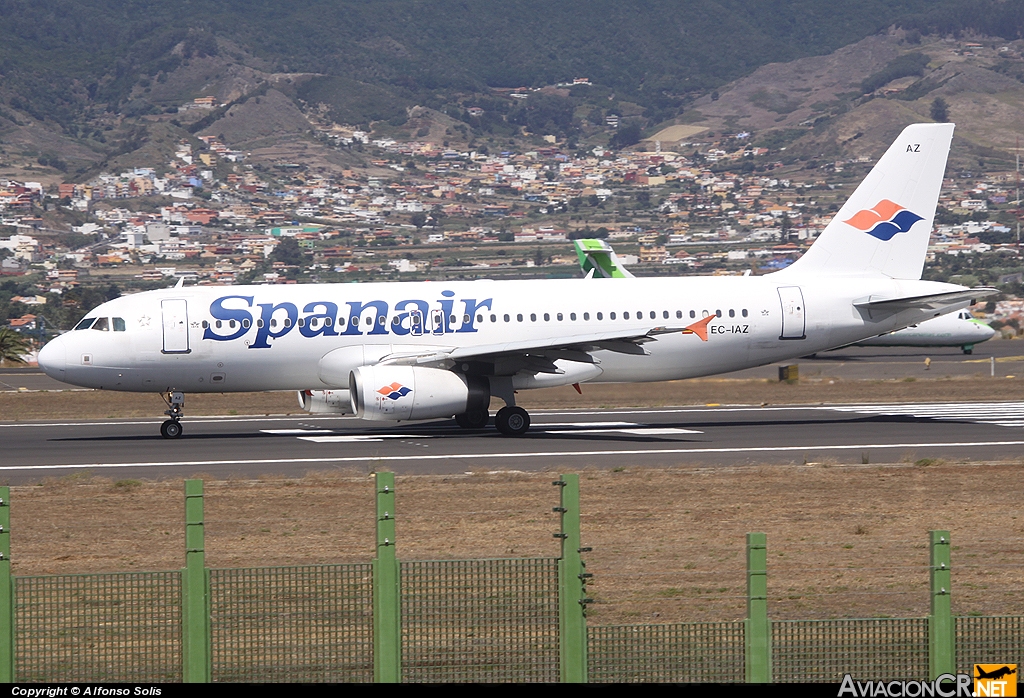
{"x":325,"y":401}
{"x":399,"y":393}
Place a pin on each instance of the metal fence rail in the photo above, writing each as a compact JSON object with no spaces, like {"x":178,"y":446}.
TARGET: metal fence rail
{"x":480,"y":620}
{"x":292,"y":624}
{"x":123,"y":627}
{"x":825,"y":650}
{"x":671,"y":652}
{"x":988,"y":640}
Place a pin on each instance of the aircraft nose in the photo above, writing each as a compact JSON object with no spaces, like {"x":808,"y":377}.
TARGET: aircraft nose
{"x":987,"y":331}
{"x":53,"y":358}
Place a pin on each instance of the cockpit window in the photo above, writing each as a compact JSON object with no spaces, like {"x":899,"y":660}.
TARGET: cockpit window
{"x":85,"y":324}
{"x":118,"y":324}
{"x":102,"y":324}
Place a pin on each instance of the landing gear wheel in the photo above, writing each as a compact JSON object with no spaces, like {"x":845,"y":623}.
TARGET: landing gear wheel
{"x":968,"y":351}
{"x":512,"y":421}
{"x":171,"y":429}
{"x":473,"y":420}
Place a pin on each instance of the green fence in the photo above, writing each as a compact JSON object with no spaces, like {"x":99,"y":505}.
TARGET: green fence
{"x":504,"y":620}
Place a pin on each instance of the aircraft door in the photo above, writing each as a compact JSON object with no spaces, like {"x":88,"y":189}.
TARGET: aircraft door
{"x":793,"y":317}
{"x":416,"y":322}
{"x":175,"y":326}
{"x":437,"y":321}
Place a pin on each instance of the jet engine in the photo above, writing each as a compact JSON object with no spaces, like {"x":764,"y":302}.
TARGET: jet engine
{"x":325,"y":401}
{"x":399,"y":393}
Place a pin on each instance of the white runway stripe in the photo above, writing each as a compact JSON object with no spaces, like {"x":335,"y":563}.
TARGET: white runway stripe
{"x":1004,"y":414}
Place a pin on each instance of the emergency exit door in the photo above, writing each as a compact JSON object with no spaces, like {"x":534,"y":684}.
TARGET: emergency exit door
{"x":175,"y":326}
{"x":793,"y":317}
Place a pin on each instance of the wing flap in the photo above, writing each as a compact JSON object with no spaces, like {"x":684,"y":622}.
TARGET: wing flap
{"x":934,"y":301}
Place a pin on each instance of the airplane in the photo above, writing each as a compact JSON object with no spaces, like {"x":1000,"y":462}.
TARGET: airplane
{"x":961,"y":329}
{"x":405,"y":351}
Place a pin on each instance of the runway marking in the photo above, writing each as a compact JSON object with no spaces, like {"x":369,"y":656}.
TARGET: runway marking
{"x":362,"y":438}
{"x":295,"y":432}
{"x":1003,"y":414}
{"x":531,"y":454}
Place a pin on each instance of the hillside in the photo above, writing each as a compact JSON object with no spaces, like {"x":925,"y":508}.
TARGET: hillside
{"x":89,"y":84}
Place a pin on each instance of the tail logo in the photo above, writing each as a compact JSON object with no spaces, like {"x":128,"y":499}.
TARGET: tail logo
{"x":394,"y":391}
{"x":885,"y":220}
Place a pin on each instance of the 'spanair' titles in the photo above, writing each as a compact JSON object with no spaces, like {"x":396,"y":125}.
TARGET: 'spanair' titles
{"x":885,"y":220}
{"x":235,"y":317}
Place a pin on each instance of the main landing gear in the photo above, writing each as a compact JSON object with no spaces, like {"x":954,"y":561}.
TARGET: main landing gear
{"x":171,"y":429}
{"x":510,"y":420}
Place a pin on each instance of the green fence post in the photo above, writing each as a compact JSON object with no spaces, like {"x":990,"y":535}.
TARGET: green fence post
{"x":387,"y":624}
{"x":195,"y":607}
{"x":6,"y":590}
{"x":941,"y":631}
{"x":758,"y":629}
{"x":572,"y":586}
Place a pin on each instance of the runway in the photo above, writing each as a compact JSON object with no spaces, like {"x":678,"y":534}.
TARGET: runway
{"x":697,"y":436}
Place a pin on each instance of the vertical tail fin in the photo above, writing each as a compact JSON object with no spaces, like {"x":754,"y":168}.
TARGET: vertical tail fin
{"x":598,"y":259}
{"x":884,"y":227}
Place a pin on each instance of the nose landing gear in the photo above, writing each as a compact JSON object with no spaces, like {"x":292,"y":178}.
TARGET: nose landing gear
{"x":171,"y":429}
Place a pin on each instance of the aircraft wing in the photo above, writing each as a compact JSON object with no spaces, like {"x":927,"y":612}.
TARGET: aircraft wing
{"x":935,"y":301}
{"x":576,"y":348}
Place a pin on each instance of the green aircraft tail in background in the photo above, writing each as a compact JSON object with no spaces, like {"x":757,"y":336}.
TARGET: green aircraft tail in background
{"x":597,"y":259}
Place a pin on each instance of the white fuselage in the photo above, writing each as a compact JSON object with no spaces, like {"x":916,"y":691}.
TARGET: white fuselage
{"x":250,"y":338}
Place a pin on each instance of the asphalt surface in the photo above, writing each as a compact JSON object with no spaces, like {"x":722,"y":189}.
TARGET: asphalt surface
{"x":697,"y":436}
{"x":704,"y":436}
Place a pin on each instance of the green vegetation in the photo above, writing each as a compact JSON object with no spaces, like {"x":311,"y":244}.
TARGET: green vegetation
{"x":12,"y":346}
{"x":899,"y":67}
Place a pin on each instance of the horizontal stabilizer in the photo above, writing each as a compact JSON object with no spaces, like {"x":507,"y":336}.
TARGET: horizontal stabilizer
{"x":934,"y":301}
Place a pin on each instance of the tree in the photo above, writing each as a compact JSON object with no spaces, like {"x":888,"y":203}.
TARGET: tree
{"x":418,"y":219}
{"x":940,"y":110}
{"x":288,"y":251}
{"x":12,"y":346}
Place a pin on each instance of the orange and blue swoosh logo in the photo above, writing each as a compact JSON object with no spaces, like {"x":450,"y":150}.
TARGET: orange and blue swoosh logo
{"x":394,"y":391}
{"x":885,"y":220}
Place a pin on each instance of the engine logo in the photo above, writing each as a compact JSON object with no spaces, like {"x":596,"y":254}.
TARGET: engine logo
{"x":885,"y":220}
{"x":394,"y":391}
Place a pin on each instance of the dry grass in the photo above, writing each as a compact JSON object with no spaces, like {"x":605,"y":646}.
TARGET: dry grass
{"x":95,"y":404}
{"x":668,"y":543}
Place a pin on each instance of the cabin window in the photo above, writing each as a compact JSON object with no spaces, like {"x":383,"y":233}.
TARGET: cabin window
{"x":547,"y":318}
{"x":85,"y":324}
{"x":679,"y":314}
{"x":245,"y":323}
{"x":102,"y":324}
{"x":219,"y":324}
{"x":465,"y":319}
{"x":664,"y":314}
{"x":718,"y":313}
{"x":480,"y":318}
{"x":586,"y":316}
{"x":572,"y":316}
{"x":396,"y":321}
{"x":328,"y":321}
{"x":611,"y":316}
{"x":600,"y":316}
{"x":533,"y":317}
{"x":494,"y":318}
{"x":273,"y":322}
{"x":693,"y":314}
{"x":287,"y":322}
{"x":732,"y":313}
{"x":559,"y":317}
{"x":231,"y":324}
{"x":301,"y":322}
{"x":382,"y":320}
{"x":205,"y":324}
{"x":508,"y":319}
{"x":654,"y":315}
{"x":744,"y":312}
{"x":259,"y":323}
{"x":625,"y":316}
{"x":118,"y":324}
{"x":519,"y":317}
